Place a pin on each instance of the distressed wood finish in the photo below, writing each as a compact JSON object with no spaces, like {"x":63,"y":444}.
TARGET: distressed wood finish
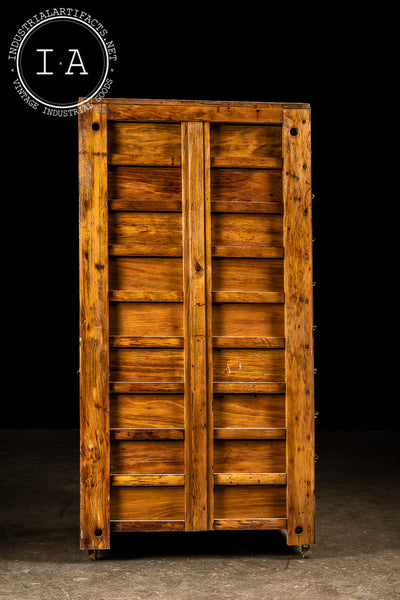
{"x":196,"y":318}
{"x":196,"y":412}
{"x":93,"y":285}
{"x":298,"y":327}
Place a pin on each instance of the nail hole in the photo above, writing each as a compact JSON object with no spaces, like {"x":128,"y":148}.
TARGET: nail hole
{"x":98,"y":532}
{"x":293,"y":131}
{"x":96,"y":126}
{"x":298,"y":530}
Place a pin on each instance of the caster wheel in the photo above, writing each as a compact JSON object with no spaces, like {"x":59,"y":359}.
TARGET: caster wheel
{"x":306,"y":551}
{"x":97,"y":554}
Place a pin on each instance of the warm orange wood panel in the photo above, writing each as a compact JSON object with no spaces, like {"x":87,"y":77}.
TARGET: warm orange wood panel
{"x":139,"y":319}
{"x":146,"y":457}
{"x":247,"y":230}
{"x":249,"y":502}
{"x":249,"y":410}
{"x":147,"y":228}
{"x":157,"y":187}
{"x":248,"y":320}
{"x":246,"y":145}
{"x":146,"y":364}
{"x":163,"y":274}
{"x":249,"y":456}
{"x":133,"y":503}
{"x":147,"y":410}
{"x":144,"y":144}
{"x":298,"y":326}
{"x":248,"y":275}
{"x":232,"y":364}
{"x":250,"y":186}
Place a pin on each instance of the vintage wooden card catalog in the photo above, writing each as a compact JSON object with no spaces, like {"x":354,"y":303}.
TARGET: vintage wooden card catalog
{"x":197,"y":399}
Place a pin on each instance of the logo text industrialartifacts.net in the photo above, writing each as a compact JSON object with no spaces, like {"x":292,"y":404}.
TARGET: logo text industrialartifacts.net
{"x":60,"y":56}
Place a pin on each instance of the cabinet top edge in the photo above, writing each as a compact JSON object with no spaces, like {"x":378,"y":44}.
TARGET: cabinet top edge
{"x":226,"y":103}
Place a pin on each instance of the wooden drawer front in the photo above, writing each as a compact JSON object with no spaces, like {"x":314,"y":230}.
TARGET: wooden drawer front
{"x":246,"y":145}
{"x":146,"y":457}
{"x":249,"y":456}
{"x":249,"y":502}
{"x":144,"y":144}
{"x":142,"y":503}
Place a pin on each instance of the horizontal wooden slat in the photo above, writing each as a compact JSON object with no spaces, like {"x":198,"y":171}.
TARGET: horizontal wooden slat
{"x":235,"y":319}
{"x":146,"y":387}
{"x":144,"y":250}
{"x":145,"y":228}
{"x":250,"y":478}
{"x":146,"y":319}
{"x":141,"y":525}
{"x":145,"y":296}
{"x":147,"y":480}
{"x":168,"y":433}
{"x":248,"y":364}
{"x":146,"y":457}
{"x":249,"y":387}
{"x":246,"y":274}
{"x":248,"y":251}
{"x":246,"y":187}
{"x":246,"y":502}
{"x":147,"y":503}
{"x":145,"y":205}
{"x":144,"y":144}
{"x":248,"y":342}
{"x":146,"y":274}
{"x":249,"y":524}
{"x":265,"y":231}
{"x":129,"y":341}
{"x":146,"y":410}
{"x":249,"y":456}
{"x":249,"y":410}
{"x":251,"y":162}
{"x":249,"y":433}
{"x":145,"y":187}
{"x":146,"y":364}
{"x":206,"y":112}
{"x":249,"y":297}
{"x":247,"y":207}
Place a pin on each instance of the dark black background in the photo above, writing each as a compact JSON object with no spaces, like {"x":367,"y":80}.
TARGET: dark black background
{"x":339,"y":62}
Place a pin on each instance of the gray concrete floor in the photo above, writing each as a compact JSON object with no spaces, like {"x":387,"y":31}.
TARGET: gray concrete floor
{"x":357,"y":555}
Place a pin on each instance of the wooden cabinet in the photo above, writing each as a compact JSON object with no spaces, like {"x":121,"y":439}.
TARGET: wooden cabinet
{"x":197,"y":399}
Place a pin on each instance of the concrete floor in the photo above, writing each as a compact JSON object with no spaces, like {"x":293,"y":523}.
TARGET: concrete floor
{"x":357,"y":555}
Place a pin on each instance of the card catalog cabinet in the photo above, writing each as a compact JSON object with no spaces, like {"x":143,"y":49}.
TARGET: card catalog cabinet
{"x":196,"y":343}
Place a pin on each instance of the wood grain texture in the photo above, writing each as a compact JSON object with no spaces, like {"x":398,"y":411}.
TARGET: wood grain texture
{"x":194,"y":265}
{"x":93,"y":286}
{"x":243,"y":364}
{"x":145,"y":296}
{"x":144,"y":144}
{"x":142,"y":525}
{"x":146,"y":410}
{"x":245,"y":410}
{"x":245,"y":186}
{"x":249,"y":456}
{"x":249,"y":433}
{"x":247,"y":275}
{"x":249,"y":387}
{"x":146,"y":457}
{"x":247,"y":342}
{"x":146,"y":364}
{"x":147,"y":503}
{"x":249,"y":502}
{"x":250,"y":478}
{"x":249,"y":524}
{"x":147,"y":274}
{"x":147,"y":480}
{"x":249,"y":297}
{"x":136,"y":433}
{"x":246,"y":146}
{"x":143,"y":319}
{"x":298,"y":326}
{"x":145,"y":228}
{"x":148,"y":188}
{"x":248,"y":320}
{"x":247,"y":230}
{"x":128,"y":341}
{"x":146,"y":387}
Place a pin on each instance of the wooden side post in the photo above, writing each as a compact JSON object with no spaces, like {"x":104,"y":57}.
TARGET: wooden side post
{"x":194,"y":271}
{"x":94,"y":334}
{"x":299,"y":362}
